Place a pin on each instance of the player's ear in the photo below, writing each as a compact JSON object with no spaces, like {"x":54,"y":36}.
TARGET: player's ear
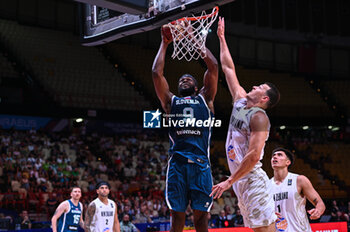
{"x":288,"y":162}
{"x":265,"y":98}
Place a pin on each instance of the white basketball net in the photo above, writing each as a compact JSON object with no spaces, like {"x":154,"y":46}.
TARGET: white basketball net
{"x":189,"y":35}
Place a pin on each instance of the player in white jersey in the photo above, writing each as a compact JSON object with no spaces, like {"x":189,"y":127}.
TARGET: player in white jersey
{"x":101,"y":214}
{"x":290,"y":192}
{"x":248,"y":131}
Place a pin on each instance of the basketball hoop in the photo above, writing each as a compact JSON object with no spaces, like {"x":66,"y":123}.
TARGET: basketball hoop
{"x":190,"y":33}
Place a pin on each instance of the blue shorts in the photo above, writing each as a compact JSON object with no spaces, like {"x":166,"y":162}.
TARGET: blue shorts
{"x":186,"y":183}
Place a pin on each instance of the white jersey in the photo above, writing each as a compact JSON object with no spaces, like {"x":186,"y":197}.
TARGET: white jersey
{"x":103,"y":219}
{"x":252,"y":190}
{"x":290,"y":205}
{"x":238,"y":135}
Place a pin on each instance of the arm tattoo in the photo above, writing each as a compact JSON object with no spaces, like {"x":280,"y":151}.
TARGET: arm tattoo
{"x":315,"y":201}
{"x":89,"y":215}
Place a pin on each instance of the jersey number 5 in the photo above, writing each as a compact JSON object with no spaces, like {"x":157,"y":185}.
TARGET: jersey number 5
{"x":76,"y":218}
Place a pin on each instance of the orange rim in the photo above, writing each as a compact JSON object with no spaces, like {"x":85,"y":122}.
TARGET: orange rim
{"x":199,"y":17}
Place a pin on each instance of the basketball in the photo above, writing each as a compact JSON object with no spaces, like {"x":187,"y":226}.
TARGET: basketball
{"x":181,"y":30}
{"x":167,"y":32}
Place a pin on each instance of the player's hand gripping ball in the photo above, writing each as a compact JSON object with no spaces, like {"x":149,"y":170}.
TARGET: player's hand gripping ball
{"x":167,"y":32}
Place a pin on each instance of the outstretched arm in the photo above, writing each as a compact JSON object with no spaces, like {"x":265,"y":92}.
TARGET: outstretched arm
{"x":308,"y":190}
{"x":259,"y":125}
{"x":90,"y":212}
{"x":159,"y":81}
{"x":63,"y":207}
{"x":210,"y":79}
{"x":227,"y":64}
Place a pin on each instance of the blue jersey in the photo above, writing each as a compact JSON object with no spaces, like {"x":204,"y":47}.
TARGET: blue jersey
{"x":190,"y":126}
{"x":69,"y":221}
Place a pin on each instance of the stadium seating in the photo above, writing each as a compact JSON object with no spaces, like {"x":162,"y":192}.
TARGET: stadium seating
{"x":337,"y":154}
{"x":6,"y":68}
{"x":340,"y":89}
{"x":76,"y":76}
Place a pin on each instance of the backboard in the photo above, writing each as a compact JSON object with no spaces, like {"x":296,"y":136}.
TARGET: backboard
{"x":100,"y":25}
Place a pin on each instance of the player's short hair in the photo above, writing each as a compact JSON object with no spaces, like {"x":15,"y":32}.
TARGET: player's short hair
{"x":99,"y":184}
{"x":274,"y":95}
{"x":189,"y":75}
{"x":288,"y":153}
{"x":74,"y":187}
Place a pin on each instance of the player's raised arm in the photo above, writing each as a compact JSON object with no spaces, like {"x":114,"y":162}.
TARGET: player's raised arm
{"x":310,"y":193}
{"x":63,"y":207}
{"x":210,"y":79}
{"x":159,"y":81}
{"x":259,"y":132}
{"x":227,"y":64}
{"x":90,"y":212}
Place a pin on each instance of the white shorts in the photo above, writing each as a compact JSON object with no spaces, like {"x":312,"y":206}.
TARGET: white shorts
{"x":255,"y":199}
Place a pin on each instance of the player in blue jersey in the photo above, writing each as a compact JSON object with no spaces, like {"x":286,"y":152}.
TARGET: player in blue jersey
{"x":190,"y":118}
{"x":68,"y":214}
